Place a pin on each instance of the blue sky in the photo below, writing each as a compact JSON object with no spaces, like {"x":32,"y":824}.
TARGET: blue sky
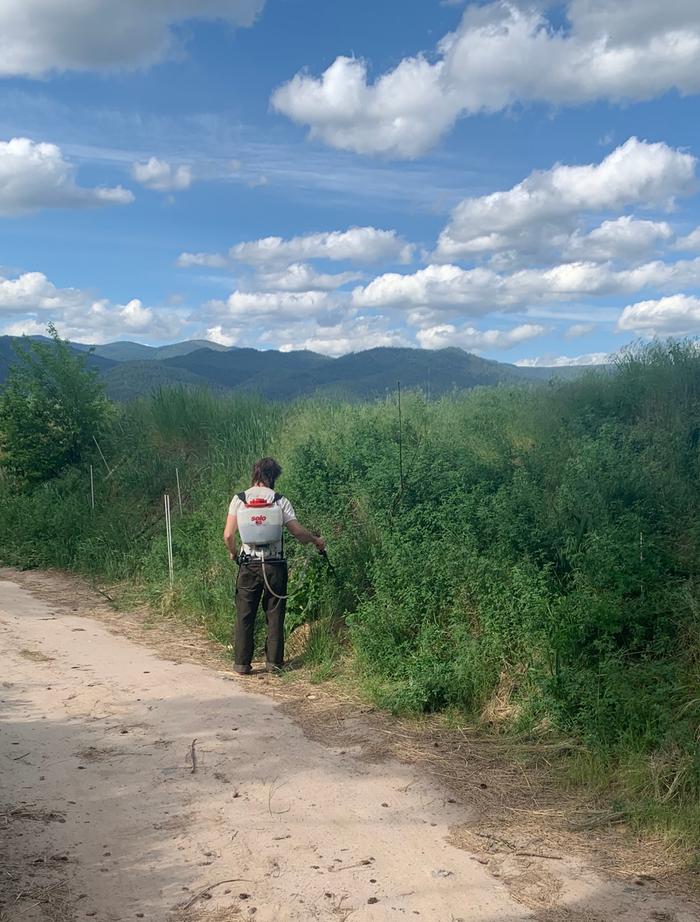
{"x":516,"y":179}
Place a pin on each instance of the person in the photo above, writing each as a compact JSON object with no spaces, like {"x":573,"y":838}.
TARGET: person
{"x":262,"y":574}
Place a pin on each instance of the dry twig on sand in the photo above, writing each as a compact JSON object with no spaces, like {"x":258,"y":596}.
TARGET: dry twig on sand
{"x":205,"y":890}
{"x":271,"y":792}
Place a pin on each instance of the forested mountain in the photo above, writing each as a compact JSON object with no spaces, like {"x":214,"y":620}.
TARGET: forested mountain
{"x":132,"y":369}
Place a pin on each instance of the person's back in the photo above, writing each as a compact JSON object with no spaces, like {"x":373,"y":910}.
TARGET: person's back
{"x":262,"y":573}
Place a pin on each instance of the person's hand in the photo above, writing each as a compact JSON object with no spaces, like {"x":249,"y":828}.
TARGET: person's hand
{"x":320,"y":545}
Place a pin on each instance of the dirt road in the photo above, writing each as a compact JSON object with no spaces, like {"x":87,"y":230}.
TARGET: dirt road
{"x":133,"y":787}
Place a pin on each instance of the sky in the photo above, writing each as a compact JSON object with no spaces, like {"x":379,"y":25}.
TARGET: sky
{"x":518,"y":179}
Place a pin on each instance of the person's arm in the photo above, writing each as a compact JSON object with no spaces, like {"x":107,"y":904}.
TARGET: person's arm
{"x":230,"y":535}
{"x":304,"y":536}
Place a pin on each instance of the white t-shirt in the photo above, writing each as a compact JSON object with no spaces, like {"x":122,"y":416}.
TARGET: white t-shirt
{"x":288,"y":515}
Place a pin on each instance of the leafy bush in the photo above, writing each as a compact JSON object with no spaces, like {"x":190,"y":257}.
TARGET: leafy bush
{"x":51,"y":411}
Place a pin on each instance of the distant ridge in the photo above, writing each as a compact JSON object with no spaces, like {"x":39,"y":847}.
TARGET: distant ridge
{"x":289,"y":375}
{"x":125,"y":351}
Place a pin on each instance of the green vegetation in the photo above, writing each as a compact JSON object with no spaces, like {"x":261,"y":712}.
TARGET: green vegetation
{"x":545,"y":547}
{"x":52,"y":409}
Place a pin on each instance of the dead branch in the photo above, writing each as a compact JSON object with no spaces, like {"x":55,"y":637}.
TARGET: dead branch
{"x":200,"y":893}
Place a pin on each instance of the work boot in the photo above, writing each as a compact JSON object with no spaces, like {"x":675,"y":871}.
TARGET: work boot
{"x":242,"y":669}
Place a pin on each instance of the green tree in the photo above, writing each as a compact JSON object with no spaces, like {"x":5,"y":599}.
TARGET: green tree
{"x":51,"y":409}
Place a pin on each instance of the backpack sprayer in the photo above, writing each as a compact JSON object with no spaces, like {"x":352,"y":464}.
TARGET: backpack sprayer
{"x":260,"y":525}
{"x":260,"y":522}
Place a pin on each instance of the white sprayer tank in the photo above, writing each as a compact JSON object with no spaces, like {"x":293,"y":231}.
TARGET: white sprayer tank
{"x":260,"y":523}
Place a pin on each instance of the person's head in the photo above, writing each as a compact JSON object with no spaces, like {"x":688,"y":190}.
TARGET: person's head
{"x":265,"y":472}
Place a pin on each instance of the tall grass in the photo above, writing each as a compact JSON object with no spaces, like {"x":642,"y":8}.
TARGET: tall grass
{"x":546,"y":541}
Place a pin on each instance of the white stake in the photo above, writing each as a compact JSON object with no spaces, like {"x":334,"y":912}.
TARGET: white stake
{"x":169,"y":538}
{"x":179,"y":494}
{"x":101,"y":455}
{"x":92,"y":489}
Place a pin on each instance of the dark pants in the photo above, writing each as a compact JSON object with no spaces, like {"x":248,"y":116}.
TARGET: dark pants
{"x":250,"y":588}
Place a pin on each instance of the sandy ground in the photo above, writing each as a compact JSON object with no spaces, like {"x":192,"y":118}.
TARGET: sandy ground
{"x":136,"y":786}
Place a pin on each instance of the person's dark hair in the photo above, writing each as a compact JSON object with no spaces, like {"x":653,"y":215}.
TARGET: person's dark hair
{"x":266,"y":471}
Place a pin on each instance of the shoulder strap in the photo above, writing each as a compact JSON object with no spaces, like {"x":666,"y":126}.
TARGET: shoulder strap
{"x":277,"y":497}
{"x":241,"y":496}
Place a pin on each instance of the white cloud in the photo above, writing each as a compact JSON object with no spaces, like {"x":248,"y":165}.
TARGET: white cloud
{"x":32,"y":291}
{"x":634,"y":173}
{"x":216,"y":334}
{"x":205,"y":260}
{"x":357,"y":244}
{"x":38,"y":37}
{"x":691,"y":242}
{"x":623,"y":238}
{"x":302,"y":277}
{"x":475,"y":291}
{"x":446,"y":334}
{"x":254,"y":305}
{"x":674,"y":315}
{"x":35,"y":175}
{"x":501,"y":53}
{"x":437,"y":290}
{"x":548,"y":361}
{"x":77,"y":314}
{"x":579,"y":329}
{"x":403,"y":114}
{"x":339,"y":339}
{"x":161,"y":176}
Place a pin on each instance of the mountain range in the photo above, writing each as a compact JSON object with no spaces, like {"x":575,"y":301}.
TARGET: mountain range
{"x":131,"y":369}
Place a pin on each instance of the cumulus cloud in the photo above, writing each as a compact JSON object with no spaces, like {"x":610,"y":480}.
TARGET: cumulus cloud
{"x":341,"y":338}
{"x":38,"y":37}
{"x":303,"y":277}
{"x":674,"y":315}
{"x":439,"y":289}
{"x":636,"y":173}
{"x":502,"y":53}
{"x":475,"y":291}
{"x":357,"y":244}
{"x":403,"y":114}
{"x":33,"y":291}
{"x":31,"y":300}
{"x":277,"y":257}
{"x":161,"y":176}
{"x":291,"y":321}
{"x":467,"y":337}
{"x":36,"y":175}
{"x":256,"y":305}
{"x":690,"y":242}
{"x":217,"y":334}
{"x":624,"y":238}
